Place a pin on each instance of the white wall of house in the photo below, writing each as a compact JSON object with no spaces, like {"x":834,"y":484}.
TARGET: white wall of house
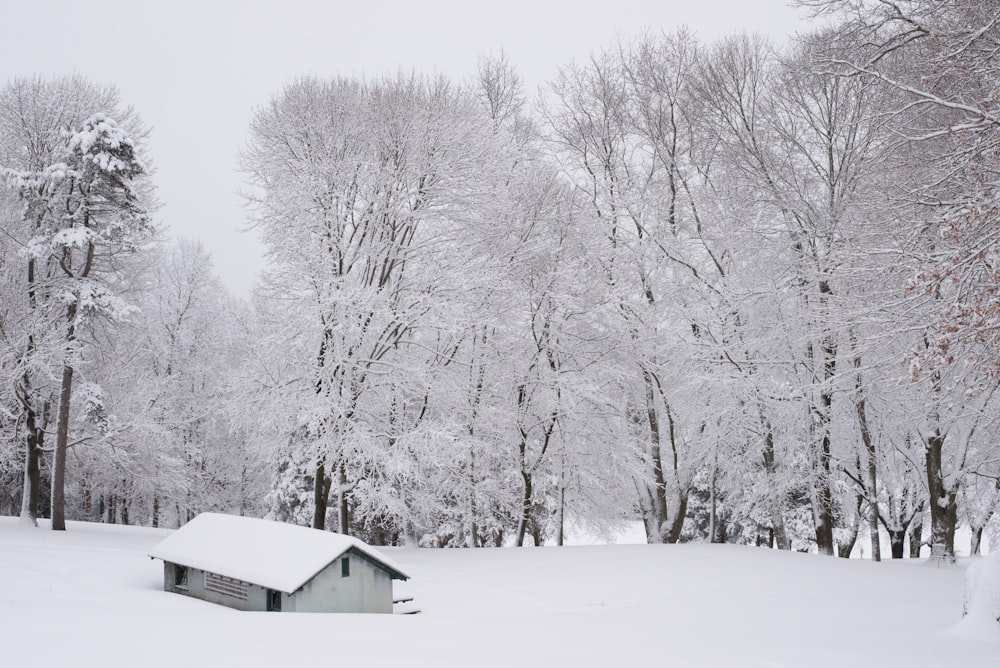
{"x":367,"y":589}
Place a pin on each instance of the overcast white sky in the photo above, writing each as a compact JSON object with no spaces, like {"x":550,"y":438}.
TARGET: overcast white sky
{"x":195,"y":70}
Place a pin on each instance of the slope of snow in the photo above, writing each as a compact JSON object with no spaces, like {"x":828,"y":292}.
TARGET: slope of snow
{"x":982,"y":600}
{"x":271,"y":554}
{"x":91,"y":597}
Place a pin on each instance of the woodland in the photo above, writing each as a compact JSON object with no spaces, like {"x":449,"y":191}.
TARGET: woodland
{"x":744,"y":293}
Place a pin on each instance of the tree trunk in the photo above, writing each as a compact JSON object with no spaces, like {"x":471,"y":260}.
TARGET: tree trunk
{"x":646,"y":510}
{"x":473,"y":502}
{"x":321,"y":495}
{"x":656,"y":457}
{"x":536,"y":534}
{"x":561,"y":520}
{"x":713,"y":517}
{"x":674,"y":530}
{"x":62,"y":428}
{"x":844,"y":551}
{"x":780,"y":539}
{"x":473,"y":512}
{"x":34,"y":440}
{"x":896,"y":539}
{"x":944,"y":514}
{"x":823,"y":500}
{"x":871,"y":481}
{"x":35,"y":435}
{"x":522,"y":523}
{"x":823,"y":497}
{"x":823,"y":511}
{"x":477,"y":398}
{"x":343,"y":500}
{"x":916,"y":537}
{"x":976,"y":541}
{"x":65,"y":395}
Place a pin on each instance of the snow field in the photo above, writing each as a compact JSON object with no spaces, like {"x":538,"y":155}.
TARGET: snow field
{"x":91,"y":597}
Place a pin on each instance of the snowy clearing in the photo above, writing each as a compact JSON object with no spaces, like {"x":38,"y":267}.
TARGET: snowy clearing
{"x":91,"y":597}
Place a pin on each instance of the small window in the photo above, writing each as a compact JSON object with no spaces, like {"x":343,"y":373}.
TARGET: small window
{"x":181,"y":577}
{"x":345,"y":568}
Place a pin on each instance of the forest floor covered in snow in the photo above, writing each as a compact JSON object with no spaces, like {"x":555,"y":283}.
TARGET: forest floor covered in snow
{"x":91,"y":597}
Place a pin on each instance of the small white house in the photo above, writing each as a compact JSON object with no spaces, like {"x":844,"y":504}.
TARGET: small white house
{"x":253,"y":564}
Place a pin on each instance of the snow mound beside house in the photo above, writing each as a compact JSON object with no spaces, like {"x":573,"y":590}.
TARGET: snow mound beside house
{"x":981,"y":618}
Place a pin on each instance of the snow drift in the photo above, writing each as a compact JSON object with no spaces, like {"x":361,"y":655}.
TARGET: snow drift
{"x":91,"y":597}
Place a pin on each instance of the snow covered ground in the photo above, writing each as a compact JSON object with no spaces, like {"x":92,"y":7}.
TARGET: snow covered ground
{"x":91,"y":597}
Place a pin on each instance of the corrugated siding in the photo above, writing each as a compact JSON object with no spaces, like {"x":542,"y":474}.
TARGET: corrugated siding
{"x":228,"y":586}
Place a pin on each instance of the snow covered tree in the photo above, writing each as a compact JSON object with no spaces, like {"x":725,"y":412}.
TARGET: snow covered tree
{"x":72,"y":168}
{"x":171,"y":445}
{"x":939,"y":60}
{"x":87,"y":211}
{"x":354,"y":181}
{"x":807,"y":143}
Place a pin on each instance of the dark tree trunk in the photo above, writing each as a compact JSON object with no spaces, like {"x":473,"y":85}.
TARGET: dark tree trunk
{"x":473,"y":502}
{"x":976,"y":541}
{"x":916,"y":537}
{"x":62,"y":428}
{"x":823,"y":502}
{"x":35,"y":436}
{"x":674,"y":530}
{"x":474,"y":537}
{"x":871,"y":481}
{"x":321,"y":495}
{"x":522,"y":523}
{"x":823,"y":510}
{"x":561,"y":520}
{"x":646,"y":510}
{"x":896,"y":539}
{"x":944,"y":514}
{"x":34,"y":442}
{"x":778,"y":535}
{"x":536,"y":534}
{"x":656,"y":456}
{"x":823,"y":499}
{"x":844,"y":551}
{"x":65,"y":395}
{"x":343,"y":500}
{"x":713,"y":511}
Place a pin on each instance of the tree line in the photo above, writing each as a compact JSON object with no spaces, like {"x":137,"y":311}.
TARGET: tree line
{"x":744,"y":293}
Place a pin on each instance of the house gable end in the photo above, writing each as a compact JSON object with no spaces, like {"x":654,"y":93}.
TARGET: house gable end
{"x":393,"y":573}
{"x":361,"y":554}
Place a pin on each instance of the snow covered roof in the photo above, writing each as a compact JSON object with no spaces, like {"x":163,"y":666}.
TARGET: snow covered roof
{"x":270,"y":554}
